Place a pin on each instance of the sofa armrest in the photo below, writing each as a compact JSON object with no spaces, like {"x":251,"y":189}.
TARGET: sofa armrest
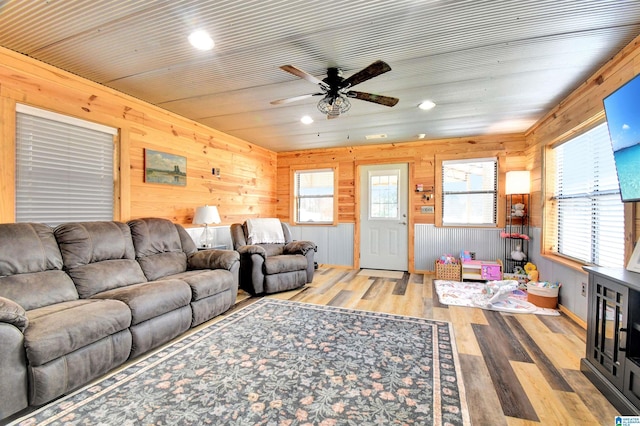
{"x":252,"y":249}
{"x":13,"y":365}
{"x":14,"y":314}
{"x":299,"y":247}
{"x":213,"y":259}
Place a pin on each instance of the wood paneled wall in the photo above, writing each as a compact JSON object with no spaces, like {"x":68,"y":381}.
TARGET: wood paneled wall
{"x":247,"y":185}
{"x":421,"y":155}
{"x":579,"y":111}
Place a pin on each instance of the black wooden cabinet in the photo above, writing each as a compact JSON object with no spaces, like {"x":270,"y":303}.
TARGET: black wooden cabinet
{"x":612,"y":360}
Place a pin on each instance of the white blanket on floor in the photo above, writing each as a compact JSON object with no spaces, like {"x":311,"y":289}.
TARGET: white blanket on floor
{"x":264,"y":231}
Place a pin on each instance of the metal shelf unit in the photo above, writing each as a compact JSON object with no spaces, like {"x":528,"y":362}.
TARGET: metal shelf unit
{"x":517,"y":231}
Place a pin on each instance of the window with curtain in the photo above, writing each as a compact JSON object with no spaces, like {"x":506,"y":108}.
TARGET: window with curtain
{"x":587,"y":210}
{"x":469,"y":192}
{"x":314,"y":196}
{"x":64,"y":168}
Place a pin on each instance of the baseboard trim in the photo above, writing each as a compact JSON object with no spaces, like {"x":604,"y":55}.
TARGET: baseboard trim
{"x":582,"y":323}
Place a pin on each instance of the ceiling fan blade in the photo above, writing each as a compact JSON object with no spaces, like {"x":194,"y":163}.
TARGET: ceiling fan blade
{"x":302,"y":74}
{"x":370,"y":97}
{"x":294,"y":99}
{"x":373,"y":70}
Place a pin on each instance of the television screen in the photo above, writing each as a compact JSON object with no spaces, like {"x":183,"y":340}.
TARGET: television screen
{"x":622,"y":109}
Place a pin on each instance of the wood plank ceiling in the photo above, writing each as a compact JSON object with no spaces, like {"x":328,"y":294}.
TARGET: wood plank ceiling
{"x":490,"y":66}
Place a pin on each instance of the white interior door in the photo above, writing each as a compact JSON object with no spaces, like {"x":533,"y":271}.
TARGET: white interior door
{"x":383,"y":217}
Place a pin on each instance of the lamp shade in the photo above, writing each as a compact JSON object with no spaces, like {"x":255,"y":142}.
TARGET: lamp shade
{"x":206,"y":215}
{"x":517,"y":182}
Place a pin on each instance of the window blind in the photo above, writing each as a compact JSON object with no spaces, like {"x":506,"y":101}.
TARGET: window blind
{"x":590,"y":214}
{"x":314,"y":195}
{"x":469,"y":190}
{"x":64,"y":168}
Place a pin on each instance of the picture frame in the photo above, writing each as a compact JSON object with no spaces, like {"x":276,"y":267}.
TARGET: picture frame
{"x":634,"y":261}
{"x":164,"y":168}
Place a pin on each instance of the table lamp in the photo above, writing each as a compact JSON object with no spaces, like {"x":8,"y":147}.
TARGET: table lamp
{"x":206,"y":215}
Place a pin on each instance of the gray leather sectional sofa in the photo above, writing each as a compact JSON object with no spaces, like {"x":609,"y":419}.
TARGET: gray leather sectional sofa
{"x":81,"y":299}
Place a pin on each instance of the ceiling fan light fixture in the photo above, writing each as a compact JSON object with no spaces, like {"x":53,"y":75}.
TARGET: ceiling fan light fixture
{"x":306,"y":119}
{"x":201,"y":40}
{"x":426,"y":105}
{"x":334,"y":106}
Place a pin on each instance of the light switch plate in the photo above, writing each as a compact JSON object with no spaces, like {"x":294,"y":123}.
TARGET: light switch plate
{"x":427,"y":209}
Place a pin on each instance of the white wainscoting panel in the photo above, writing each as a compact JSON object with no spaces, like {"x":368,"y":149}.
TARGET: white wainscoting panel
{"x":335,"y":243}
{"x":431,"y":242}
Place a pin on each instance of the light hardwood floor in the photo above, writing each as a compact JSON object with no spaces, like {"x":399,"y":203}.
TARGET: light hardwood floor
{"x":518,"y":369}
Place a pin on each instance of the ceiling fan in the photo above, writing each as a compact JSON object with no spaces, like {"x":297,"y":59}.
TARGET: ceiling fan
{"x":336,"y":89}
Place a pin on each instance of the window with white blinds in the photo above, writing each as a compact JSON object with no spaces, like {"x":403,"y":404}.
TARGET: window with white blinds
{"x":469,"y":192}
{"x":314,"y":196}
{"x":64,"y":168}
{"x":590,"y":214}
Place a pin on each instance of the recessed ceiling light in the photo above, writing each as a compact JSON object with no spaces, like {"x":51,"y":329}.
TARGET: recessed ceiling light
{"x":421,"y":135}
{"x":427,"y":105}
{"x":306,"y":119}
{"x":378,"y":136}
{"x":200,"y":39}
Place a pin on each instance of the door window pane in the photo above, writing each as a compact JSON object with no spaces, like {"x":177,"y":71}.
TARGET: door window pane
{"x":383,"y":194}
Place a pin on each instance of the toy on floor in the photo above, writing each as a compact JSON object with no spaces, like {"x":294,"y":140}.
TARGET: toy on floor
{"x":447,"y":259}
{"x":532,"y":272}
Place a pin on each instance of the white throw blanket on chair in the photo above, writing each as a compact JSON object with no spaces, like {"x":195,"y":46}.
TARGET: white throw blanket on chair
{"x":264,"y":231}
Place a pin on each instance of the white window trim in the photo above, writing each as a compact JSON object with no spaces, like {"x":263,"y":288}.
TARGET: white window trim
{"x":50,"y":115}
{"x":293,"y":170}
{"x":46,"y":190}
{"x":496,"y":216}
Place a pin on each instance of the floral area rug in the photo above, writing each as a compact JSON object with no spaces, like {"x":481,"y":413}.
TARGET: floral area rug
{"x":467,"y":292}
{"x":277,"y":362}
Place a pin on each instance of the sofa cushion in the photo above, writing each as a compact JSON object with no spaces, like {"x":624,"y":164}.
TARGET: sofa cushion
{"x":163,"y":264}
{"x":98,"y":277}
{"x":159,"y":247}
{"x":151,"y":299}
{"x":205,"y":283}
{"x":82,"y":243}
{"x":60,"y":329}
{"x":99,"y":256}
{"x":285,"y":263}
{"x":38,"y":289}
{"x":31,"y":266}
{"x":273,"y":249}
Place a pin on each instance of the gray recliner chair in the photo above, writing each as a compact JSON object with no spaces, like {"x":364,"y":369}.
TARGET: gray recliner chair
{"x":271,"y":263}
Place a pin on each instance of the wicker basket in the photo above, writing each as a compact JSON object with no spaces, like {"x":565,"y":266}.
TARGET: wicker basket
{"x":447,"y":271}
{"x":543,"y":297}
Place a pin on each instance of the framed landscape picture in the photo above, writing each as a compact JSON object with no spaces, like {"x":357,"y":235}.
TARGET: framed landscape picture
{"x":161,"y":167}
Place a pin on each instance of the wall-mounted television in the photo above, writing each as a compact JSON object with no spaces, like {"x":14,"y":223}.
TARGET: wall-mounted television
{"x":622,"y":109}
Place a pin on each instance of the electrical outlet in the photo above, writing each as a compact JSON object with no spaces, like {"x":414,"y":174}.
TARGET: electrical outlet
{"x":584,"y":290}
